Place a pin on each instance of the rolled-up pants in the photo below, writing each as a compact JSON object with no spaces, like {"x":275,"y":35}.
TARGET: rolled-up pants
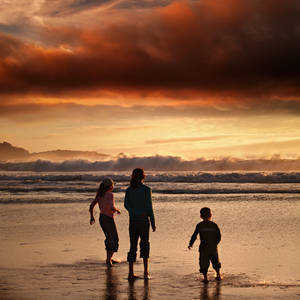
{"x":138,"y":229}
{"x":110,"y":230}
{"x":206,"y":256}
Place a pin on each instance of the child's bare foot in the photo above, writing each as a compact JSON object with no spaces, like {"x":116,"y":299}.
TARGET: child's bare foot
{"x":133,"y":277}
{"x":205,"y":279}
{"x":108,"y":263}
{"x":115,"y":260}
{"x":219,"y":277}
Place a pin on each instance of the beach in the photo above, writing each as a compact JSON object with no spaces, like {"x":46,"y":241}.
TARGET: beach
{"x":203,"y":95}
{"x":49,"y":250}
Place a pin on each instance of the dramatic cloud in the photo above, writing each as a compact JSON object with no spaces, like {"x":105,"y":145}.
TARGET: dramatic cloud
{"x":204,"y":49}
{"x":191,"y":78}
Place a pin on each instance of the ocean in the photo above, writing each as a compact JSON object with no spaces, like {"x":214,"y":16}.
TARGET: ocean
{"x":49,"y":250}
{"x":76,"y":187}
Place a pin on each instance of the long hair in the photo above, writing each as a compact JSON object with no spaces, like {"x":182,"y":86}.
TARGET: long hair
{"x":104,"y":187}
{"x":137,"y":176}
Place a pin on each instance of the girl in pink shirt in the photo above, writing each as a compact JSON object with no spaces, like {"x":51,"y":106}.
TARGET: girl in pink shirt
{"x":105,"y":200}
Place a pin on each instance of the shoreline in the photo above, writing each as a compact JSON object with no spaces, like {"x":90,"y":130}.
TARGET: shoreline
{"x":90,"y":279}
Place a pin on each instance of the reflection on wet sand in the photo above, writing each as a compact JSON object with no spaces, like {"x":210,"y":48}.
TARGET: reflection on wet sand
{"x":204,"y":295}
{"x":111,"y":291}
{"x":132,"y":291}
{"x":137,"y":289}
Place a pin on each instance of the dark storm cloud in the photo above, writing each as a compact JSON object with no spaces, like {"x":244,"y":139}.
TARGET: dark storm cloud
{"x":208,"y":49}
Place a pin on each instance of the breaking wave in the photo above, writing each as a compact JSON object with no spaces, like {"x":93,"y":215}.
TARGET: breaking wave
{"x":64,"y":190}
{"x":77,"y":187}
{"x":156,"y":163}
{"x":188,"y":177}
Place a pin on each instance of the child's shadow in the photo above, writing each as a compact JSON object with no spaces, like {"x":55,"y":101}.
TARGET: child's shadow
{"x":204,"y":295}
{"x":111,"y":291}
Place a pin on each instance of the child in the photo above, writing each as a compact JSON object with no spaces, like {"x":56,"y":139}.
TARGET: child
{"x":210,"y":237}
{"x":105,"y":200}
{"x":138,"y":202}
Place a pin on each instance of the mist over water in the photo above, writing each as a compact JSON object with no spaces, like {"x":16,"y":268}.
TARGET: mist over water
{"x":157,"y":163}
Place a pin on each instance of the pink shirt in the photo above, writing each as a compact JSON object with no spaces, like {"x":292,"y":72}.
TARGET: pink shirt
{"x":106,"y":204}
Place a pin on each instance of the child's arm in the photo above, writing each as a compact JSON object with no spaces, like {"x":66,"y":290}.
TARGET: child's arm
{"x":114,"y":208}
{"x":218,"y":235}
{"x":91,"y":210}
{"x":126,"y":201}
{"x":150,"y":209}
{"x":193,"y":238}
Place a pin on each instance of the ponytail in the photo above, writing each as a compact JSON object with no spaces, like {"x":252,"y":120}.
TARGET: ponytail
{"x":104,"y":187}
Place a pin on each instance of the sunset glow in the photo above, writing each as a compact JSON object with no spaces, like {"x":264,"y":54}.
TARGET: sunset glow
{"x":175,"y":124}
{"x":192,"y":79}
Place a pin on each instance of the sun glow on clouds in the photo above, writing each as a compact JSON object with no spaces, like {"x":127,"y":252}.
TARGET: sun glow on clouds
{"x":187,"y":78}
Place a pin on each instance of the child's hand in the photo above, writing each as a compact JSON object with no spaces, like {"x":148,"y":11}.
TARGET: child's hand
{"x":116,"y":210}
{"x":92,"y":220}
{"x":190,"y":247}
{"x":153,"y":228}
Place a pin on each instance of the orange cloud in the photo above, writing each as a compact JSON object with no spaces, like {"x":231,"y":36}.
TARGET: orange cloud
{"x":204,"y":50}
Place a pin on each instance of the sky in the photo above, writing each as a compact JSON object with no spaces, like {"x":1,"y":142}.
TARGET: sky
{"x":195,"y":79}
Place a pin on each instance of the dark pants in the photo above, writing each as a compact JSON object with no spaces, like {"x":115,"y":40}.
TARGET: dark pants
{"x":206,"y":256}
{"x":110,"y":230}
{"x":138,"y":229}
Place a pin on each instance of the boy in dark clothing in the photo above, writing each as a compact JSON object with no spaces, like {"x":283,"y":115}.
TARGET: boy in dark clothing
{"x":210,"y":237}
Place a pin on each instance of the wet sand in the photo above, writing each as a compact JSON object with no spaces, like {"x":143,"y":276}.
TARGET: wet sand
{"x":92,"y":280}
{"x":51,"y":252}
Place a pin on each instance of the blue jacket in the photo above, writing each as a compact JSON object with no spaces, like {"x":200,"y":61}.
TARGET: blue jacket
{"x":138,"y":202}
